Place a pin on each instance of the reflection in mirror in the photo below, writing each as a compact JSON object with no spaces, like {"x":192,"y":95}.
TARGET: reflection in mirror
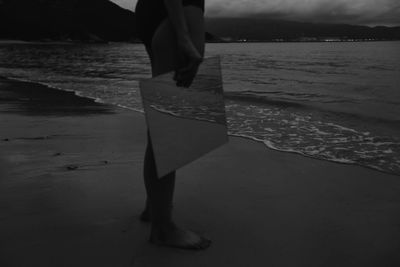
{"x":185,"y":123}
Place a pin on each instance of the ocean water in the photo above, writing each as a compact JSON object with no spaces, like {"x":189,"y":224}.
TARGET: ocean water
{"x":203,"y":100}
{"x":332,"y":101}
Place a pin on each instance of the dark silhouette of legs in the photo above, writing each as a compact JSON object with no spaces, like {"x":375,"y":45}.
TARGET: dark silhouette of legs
{"x":160,"y":190}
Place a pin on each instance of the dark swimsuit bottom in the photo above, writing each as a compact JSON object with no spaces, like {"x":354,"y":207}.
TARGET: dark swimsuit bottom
{"x":150,"y":13}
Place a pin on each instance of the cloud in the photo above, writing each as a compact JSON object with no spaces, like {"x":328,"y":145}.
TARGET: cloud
{"x":338,"y":11}
{"x":368,"y":12}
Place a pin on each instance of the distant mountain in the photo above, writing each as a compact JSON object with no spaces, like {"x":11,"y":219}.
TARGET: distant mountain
{"x":86,"y":20}
{"x":269,"y":30}
{"x":102,"y":20}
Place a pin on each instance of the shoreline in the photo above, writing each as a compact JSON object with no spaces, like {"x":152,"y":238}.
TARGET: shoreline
{"x":71,"y":193}
{"x":263,"y":143}
{"x":4,"y":41}
{"x":314,"y":157}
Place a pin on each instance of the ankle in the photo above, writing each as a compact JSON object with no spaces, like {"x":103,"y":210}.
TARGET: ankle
{"x":165,"y":225}
{"x":161,"y":216}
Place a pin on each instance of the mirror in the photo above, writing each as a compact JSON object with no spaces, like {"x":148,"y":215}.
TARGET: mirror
{"x":185,"y":123}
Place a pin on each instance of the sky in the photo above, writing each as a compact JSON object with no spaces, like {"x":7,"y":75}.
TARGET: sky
{"x":363,"y":12}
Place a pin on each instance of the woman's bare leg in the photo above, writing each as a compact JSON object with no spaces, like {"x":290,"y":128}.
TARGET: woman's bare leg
{"x":160,"y":190}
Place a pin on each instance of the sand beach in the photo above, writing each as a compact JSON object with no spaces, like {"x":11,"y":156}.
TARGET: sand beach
{"x":71,"y":192}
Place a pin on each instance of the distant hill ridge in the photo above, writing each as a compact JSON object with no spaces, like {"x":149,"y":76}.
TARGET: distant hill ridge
{"x":102,"y":20}
{"x":65,"y":19}
{"x":269,"y":29}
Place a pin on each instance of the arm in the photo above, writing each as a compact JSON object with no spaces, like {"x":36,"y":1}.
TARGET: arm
{"x":186,"y":49}
{"x":177,"y":19}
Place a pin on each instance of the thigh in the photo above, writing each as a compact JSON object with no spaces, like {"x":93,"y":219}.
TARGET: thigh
{"x":164,"y":47}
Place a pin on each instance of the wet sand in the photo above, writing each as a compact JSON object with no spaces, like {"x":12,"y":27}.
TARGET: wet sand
{"x":71,"y":192}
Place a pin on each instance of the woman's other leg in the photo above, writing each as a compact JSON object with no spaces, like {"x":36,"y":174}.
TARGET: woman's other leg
{"x":159,"y":190}
{"x":156,"y":189}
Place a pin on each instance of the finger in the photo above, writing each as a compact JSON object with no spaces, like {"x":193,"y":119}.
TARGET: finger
{"x":191,"y":64}
{"x":186,"y":75}
{"x":180,"y":82}
{"x":187,"y":82}
{"x":189,"y":71}
{"x":180,"y":78}
{"x":183,"y":82}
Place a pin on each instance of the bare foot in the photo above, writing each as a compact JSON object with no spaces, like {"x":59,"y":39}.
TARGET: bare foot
{"x":172,"y":236}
